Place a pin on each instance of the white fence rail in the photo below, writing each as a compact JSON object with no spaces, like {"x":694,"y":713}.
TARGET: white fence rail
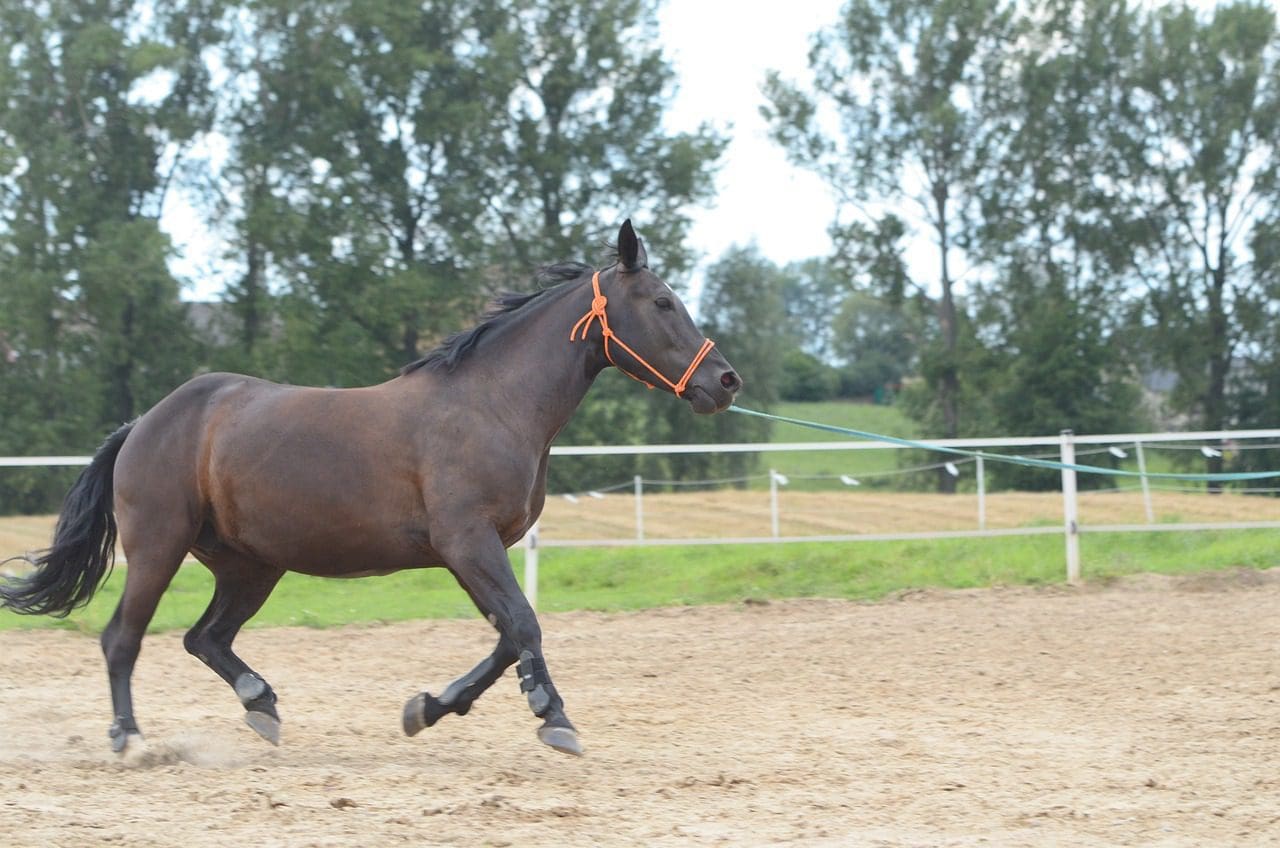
{"x":1065,"y":444}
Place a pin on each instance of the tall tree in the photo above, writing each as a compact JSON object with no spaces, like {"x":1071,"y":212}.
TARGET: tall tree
{"x":906,"y":82}
{"x":1060,"y":243}
{"x":99,"y":102}
{"x":1207,"y":130}
{"x":741,"y":308}
{"x":585,"y":144}
{"x":360,"y":133}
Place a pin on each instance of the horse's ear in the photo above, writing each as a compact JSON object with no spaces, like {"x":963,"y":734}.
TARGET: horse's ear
{"x":630,"y":249}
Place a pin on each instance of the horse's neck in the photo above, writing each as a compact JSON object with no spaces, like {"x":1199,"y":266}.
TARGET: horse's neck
{"x":529,"y":373}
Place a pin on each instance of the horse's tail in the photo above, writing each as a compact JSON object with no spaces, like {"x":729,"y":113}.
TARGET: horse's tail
{"x":84,"y":543}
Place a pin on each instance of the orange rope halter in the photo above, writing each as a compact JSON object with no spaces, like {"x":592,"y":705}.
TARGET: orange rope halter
{"x":598,"y":304}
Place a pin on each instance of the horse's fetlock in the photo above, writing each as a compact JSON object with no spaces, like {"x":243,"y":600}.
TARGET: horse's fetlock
{"x":120,"y":731}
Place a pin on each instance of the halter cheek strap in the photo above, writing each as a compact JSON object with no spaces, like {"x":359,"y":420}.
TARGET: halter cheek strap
{"x":597,"y":313}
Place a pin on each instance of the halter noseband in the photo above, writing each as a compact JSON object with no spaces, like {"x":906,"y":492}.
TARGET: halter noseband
{"x":597,"y":311}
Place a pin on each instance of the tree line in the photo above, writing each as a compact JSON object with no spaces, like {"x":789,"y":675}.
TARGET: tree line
{"x":1039,"y":204}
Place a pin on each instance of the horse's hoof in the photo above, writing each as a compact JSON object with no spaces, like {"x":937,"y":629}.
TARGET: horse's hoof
{"x":412,"y":719}
{"x":265,"y":725}
{"x":561,"y":738}
{"x":422,"y":711}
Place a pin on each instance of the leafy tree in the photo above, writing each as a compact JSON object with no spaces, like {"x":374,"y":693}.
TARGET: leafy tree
{"x":1051,"y":369}
{"x":1205,"y":132}
{"x":360,"y":138}
{"x":877,"y":343}
{"x":741,"y":309}
{"x":584,"y":143}
{"x":1061,"y":244}
{"x":807,"y":378}
{"x":100,"y":103}
{"x":906,"y":80}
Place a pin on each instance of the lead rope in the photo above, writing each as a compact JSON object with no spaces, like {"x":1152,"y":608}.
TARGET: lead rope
{"x":597,"y":312}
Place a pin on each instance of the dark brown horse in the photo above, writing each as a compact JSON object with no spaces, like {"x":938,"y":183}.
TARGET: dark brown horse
{"x":445,"y":465}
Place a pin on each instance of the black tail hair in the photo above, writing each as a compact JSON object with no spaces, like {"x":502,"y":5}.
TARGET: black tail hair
{"x":84,"y":543}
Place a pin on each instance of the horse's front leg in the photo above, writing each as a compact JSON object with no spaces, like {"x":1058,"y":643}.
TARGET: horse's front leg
{"x":479,"y":562}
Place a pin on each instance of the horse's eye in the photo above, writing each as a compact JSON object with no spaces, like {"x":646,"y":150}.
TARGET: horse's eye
{"x":663,"y":303}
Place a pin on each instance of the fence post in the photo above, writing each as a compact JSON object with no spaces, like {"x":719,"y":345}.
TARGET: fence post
{"x":1146,"y":484}
{"x":639,"y":508}
{"x":531,"y":565}
{"x":1070,"y":507}
{"x":982,"y":495}
{"x":773,"y":501}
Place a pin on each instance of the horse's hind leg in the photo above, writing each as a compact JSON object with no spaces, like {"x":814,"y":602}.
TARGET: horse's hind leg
{"x":151,"y":565}
{"x":242,"y":586}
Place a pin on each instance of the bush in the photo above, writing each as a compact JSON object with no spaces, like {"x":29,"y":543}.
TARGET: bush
{"x":805,"y":377}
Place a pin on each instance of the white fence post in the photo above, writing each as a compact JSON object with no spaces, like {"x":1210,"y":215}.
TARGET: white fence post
{"x":531,"y":565}
{"x":982,"y":495}
{"x":639,"y":508}
{"x":773,"y":501}
{"x":1070,"y":507}
{"x":1146,"y":484}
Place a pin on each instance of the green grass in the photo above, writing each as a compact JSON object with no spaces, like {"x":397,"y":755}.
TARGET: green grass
{"x":890,"y":421}
{"x":859,"y":416}
{"x":639,"y":578}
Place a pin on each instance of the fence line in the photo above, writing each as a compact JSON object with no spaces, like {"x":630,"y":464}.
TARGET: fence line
{"x":779,"y":447}
{"x":1066,"y":444}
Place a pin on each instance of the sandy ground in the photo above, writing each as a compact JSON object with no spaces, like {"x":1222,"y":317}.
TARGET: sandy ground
{"x":1146,"y":712}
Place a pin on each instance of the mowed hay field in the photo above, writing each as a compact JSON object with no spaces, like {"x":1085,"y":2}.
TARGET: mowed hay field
{"x":746,"y":513}
{"x":739,"y":513}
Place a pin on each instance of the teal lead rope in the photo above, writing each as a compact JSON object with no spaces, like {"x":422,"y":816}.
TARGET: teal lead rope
{"x":1222,"y":477}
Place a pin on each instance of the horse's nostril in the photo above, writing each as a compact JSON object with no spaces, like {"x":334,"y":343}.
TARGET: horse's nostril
{"x":730,"y":381}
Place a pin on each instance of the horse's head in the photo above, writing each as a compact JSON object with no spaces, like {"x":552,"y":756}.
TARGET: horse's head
{"x":649,"y":335}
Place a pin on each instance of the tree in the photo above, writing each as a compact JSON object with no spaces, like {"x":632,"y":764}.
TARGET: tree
{"x":906,"y":80}
{"x":1059,"y":241}
{"x":584,"y":143}
{"x":876,"y":342}
{"x":1205,"y":133}
{"x":100,"y":103}
{"x":741,"y":309}
{"x":361,"y":133}
{"x":812,"y":291}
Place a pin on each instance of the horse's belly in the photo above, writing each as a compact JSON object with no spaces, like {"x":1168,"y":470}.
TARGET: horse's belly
{"x":324,"y":536}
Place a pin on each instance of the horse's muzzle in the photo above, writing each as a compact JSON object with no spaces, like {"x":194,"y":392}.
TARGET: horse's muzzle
{"x":714,"y":395}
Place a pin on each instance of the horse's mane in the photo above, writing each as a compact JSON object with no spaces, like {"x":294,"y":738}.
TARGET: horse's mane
{"x":456,"y":347}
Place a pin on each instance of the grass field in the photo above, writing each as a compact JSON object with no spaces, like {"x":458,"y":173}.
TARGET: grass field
{"x":637,"y":578}
{"x":861,"y":416}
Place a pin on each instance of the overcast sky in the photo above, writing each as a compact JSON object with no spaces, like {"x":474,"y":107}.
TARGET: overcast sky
{"x":721,"y":50}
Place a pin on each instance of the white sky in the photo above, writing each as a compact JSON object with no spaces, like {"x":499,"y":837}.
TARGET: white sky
{"x":721,"y":50}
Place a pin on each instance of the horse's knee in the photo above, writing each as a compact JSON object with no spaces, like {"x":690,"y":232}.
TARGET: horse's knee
{"x":525,"y":633}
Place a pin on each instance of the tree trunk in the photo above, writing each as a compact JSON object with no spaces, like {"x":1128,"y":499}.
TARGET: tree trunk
{"x":949,"y":381}
{"x":1215,"y":399}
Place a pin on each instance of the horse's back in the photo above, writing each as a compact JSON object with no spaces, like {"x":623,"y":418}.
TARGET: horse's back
{"x":310,"y":479}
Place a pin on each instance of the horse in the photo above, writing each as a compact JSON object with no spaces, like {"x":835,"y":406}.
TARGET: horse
{"x":442,"y":466}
